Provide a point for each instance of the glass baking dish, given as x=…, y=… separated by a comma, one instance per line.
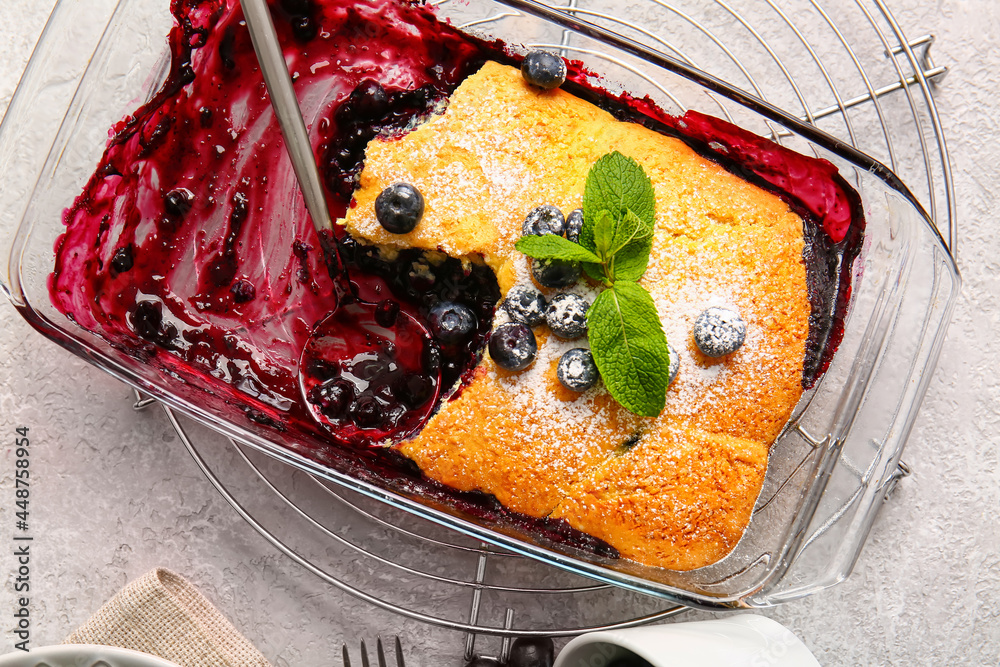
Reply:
x=828, y=472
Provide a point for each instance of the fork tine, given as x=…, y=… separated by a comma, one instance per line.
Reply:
x=379, y=651
x=347, y=657
x=399, y=653
x=364, y=654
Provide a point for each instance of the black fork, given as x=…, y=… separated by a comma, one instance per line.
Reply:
x=379, y=654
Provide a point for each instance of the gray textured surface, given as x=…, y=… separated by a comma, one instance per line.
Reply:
x=114, y=494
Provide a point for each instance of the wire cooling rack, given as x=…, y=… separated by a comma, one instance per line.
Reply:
x=845, y=66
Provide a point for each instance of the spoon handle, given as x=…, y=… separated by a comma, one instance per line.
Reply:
x=293, y=127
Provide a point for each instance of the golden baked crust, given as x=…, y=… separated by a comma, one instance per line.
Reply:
x=682, y=492
x=680, y=500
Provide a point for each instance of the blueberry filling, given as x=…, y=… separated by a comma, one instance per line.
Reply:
x=323, y=369
x=148, y=323
x=368, y=101
x=333, y=397
x=300, y=7
x=370, y=110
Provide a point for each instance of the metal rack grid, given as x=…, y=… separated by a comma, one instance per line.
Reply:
x=872, y=89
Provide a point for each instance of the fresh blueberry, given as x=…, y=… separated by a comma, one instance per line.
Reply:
x=451, y=322
x=525, y=304
x=531, y=652
x=567, y=316
x=719, y=331
x=122, y=260
x=399, y=208
x=513, y=346
x=333, y=397
x=574, y=225
x=543, y=69
x=544, y=219
x=675, y=364
x=577, y=370
x=555, y=272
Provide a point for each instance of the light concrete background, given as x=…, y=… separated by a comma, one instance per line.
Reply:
x=114, y=494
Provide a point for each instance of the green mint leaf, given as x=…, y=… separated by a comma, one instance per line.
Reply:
x=630, y=348
x=630, y=260
x=630, y=228
x=550, y=246
x=616, y=184
x=596, y=271
x=604, y=232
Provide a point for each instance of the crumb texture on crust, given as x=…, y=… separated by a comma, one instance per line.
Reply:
x=674, y=491
x=678, y=499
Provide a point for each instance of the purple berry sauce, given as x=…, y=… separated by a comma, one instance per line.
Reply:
x=190, y=248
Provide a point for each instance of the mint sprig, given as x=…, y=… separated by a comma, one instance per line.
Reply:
x=626, y=336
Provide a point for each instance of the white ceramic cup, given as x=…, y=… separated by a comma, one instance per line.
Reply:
x=743, y=640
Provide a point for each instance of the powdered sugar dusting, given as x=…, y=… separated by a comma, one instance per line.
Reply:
x=696, y=382
x=530, y=392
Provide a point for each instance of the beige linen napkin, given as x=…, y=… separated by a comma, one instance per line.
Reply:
x=163, y=615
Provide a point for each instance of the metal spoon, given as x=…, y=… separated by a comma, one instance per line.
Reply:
x=355, y=333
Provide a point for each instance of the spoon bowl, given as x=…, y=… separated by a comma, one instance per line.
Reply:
x=367, y=379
